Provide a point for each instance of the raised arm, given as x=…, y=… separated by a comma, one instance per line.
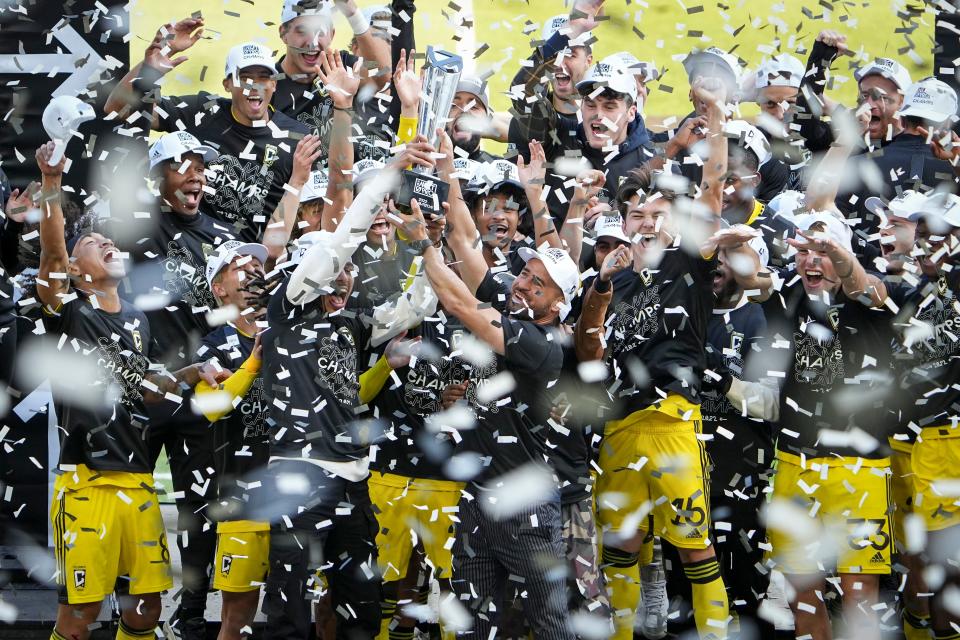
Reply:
x=342, y=83
x=532, y=176
x=54, y=259
x=584, y=199
x=588, y=333
x=462, y=235
x=857, y=284
x=369, y=46
x=159, y=58
x=453, y=293
x=715, y=167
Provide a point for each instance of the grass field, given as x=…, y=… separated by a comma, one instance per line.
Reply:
x=659, y=30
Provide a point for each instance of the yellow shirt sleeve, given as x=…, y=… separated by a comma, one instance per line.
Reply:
x=407, y=130
x=236, y=385
x=373, y=379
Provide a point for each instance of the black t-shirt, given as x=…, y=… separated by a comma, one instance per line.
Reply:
x=741, y=448
x=928, y=340
x=657, y=326
x=310, y=104
x=838, y=369
x=311, y=364
x=517, y=433
x=241, y=441
x=254, y=162
x=411, y=449
x=107, y=430
x=178, y=245
x=380, y=274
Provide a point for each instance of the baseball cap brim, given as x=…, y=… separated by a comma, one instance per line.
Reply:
x=624, y=85
x=927, y=114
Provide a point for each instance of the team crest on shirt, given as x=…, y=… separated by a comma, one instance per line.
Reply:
x=347, y=335
x=270, y=155
x=137, y=339
x=80, y=578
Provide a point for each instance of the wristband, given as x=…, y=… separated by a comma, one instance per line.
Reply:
x=147, y=80
x=344, y=109
x=600, y=286
x=359, y=23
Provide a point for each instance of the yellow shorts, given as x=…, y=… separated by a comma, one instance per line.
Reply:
x=830, y=510
x=413, y=506
x=936, y=468
x=653, y=478
x=103, y=532
x=243, y=556
x=901, y=489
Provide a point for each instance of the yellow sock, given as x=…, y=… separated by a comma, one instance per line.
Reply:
x=56, y=636
x=710, y=606
x=126, y=633
x=645, y=556
x=622, y=573
x=387, y=608
x=916, y=626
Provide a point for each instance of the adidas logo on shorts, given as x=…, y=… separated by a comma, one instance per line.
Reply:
x=877, y=558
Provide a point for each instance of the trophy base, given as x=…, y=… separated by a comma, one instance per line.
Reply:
x=428, y=190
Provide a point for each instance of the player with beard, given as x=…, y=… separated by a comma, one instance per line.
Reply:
x=319, y=448
x=828, y=334
x=497, y=203
x=105, y=512
x=470, y=118
x=306, y=28
x=926, y=326
x=656, y=335
x=520, y=328
x=256, y=162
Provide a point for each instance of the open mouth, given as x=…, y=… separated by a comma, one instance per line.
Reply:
x=337, y=299
x=190, y=197
x=813, y=277
x=499, y=232
x=310, y=57
x=561, y=81
x=647, y=240
x=255, y=101
x=599, y=129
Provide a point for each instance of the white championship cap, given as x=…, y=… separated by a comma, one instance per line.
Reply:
x=780, y=71
x=714, y=62
x=315, y=187
x=645, y=69
x=365, y=169
x=558, y=23
x=608, y=74
x=60, y=119
x=608, y=226
x=930, y=99
x=750, y=137
x=465, y=168
x=173, y=146
x=475, y=86
x=908, y=204
x=560, y=266
x=248, y=54
x=836, y=229
x=229, y=250
x=888, y=68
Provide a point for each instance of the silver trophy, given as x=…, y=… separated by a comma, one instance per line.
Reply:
x=441, y=74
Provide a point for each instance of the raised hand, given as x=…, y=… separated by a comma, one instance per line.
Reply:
x=709, y=91
x=406, y=82
x=418, y=151
x=615, y=262
x=833, y=39
x=453, y=393
x=399, y=351
x=308, y=150
x=171, y=39
x=20, y=203
x=412, y=224
x=44, y=153
x=692, y=131
x=944, y=144
x=533, y=173
x=341, y=82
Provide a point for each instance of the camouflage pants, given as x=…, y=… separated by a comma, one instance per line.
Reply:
x=586, y=588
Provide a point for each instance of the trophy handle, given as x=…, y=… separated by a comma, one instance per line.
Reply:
x=449, y=62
